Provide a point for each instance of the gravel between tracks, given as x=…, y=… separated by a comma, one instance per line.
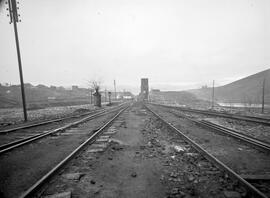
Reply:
x=240, y=157
x=143, y=159
x=249, y=128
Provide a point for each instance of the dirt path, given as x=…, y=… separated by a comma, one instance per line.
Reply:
x=119, y=171
x=127, y=174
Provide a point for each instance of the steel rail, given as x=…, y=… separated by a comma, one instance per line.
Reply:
x=253, y=191
x=5, y=131
x=253, y=141
x=254, y=119
x=233, y=133
x=34, y=188
x=15, y=144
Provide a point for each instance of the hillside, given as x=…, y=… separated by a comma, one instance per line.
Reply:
x=247, y=90
x=41, y=95
x=177, y=98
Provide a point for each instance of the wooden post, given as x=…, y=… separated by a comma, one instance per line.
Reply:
x=213, y=95
x=263, y=88
x=114, y=89
x=14, y=18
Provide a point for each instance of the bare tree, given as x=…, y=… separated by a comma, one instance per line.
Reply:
x=95, y=85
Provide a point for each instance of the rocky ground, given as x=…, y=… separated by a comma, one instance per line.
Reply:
x=240, y=157
x=141, y=158
x=246, y=111
x=14, y=116
x=249, y=128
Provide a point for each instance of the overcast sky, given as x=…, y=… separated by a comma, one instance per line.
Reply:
x=176, y=44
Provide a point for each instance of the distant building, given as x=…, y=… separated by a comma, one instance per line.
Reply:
x=155, y=90
x=40, y=86
x=144, y=95
x=74, y=87
x=61, y=88
x=53, y=87
x=126, y=95
x=51, y=98
x=204, y=87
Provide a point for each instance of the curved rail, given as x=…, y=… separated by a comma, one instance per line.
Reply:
x=15, y=144
x=253, y=191
x=33, y=189
x=255, y=119
x=233, y=133
x=251, y=140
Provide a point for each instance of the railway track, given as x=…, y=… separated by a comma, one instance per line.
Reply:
x=31, y=138
x=236, y=134
x=245, y=180
x=205, y=164
x=90, y=164
x=260, y=120
x=14, y=129
x=81, y=132
x=37, y=185
x=233, y=133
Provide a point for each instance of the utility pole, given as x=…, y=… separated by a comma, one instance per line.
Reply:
x=213, y=95
x=110, y=93
x=263, y=88
x=114, y=89
x=91, y=96
x=105, y=95
x=14, y=18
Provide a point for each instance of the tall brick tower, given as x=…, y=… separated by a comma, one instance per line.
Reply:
x=144, y=89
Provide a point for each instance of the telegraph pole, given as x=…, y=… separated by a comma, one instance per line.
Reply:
x=114, y=89
x=91, y=96
x=110, y=93
x=14, y=18
x=105, y=95
x=263, y=88
x=213, y=94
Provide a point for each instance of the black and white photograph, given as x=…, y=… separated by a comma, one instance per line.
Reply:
x=135, y=99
